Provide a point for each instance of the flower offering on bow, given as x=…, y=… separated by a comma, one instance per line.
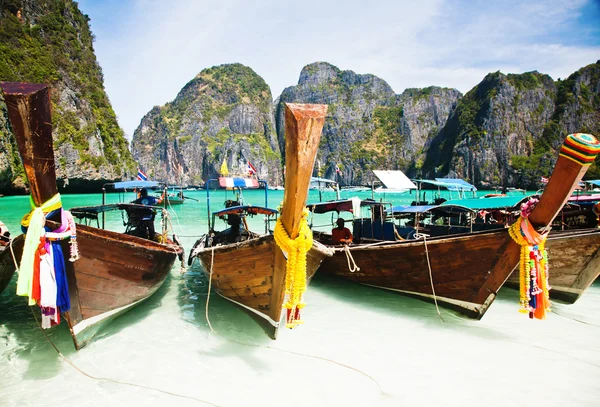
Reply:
x=295, y=270
x=533, y=277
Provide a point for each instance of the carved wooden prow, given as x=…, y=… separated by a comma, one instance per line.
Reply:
x=29, y=114
x=303, y=127
x=577, y=153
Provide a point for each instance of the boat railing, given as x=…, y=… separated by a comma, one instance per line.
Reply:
x=132, y=215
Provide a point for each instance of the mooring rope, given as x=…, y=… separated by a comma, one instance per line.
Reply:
x=349, y=258
x=272, y=347
x=431, y=277
x=13, y=254
x=212, y=259
x=113, y=380
x=176, y=216
x=574, y=319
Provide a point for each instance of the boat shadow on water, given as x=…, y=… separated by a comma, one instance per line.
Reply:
x=228, y=320
x=407, y=308
x=22, y=338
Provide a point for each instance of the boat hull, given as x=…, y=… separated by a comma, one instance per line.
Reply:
x=574, y=260
x=7, y=264
x=115, y=273
x=245, y=274
x=462, y=269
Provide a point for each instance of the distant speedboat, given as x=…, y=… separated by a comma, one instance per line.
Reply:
x=354, y=189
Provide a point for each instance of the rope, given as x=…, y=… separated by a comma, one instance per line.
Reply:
x=431, y=277
x=397, y=235
x=352, y=267
x=113, y=380
x=175, y=247
x=574, y=319
x=212, y=261
x=171, y=207
x=12, y=251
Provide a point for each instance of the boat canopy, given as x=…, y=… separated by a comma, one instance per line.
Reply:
x=346, y=205
x=594, y=182
x=248, y=209
x=231, y=182
x=322, y=180
x=445, y=210
x=395, y=180
x=456, y=184
x=497, y=202
x=575, y=198
x=81, y=211
x=134, y=184
x=87, y=210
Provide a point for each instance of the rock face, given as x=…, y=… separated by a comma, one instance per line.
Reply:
x=368, y=126
x=507, y=129
x=49, y=41
x=223, y=114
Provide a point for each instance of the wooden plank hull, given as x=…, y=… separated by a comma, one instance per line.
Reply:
x=574, y=263
x=7, y=264
x=465, y=271
x=461, y=269
x=115, y=273
x=245, y=274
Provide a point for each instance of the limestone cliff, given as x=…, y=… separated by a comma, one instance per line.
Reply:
x=368, y=126
x=49, y=41
x=507, y=129
x=223, y=114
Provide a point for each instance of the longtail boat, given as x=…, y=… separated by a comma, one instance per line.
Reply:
x=115, y=271
x=252, y=272
x=573, y=244
x=464, y=271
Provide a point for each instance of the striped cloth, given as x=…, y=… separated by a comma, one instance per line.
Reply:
x=230, y=182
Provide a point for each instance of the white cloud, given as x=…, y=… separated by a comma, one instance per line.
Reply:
x=149, y=49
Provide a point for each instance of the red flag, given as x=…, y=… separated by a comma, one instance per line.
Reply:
x=251, y=169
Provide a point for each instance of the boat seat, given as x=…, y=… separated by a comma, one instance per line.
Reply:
x=137, y=218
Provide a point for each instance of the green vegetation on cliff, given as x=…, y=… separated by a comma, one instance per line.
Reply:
x=56, y=47
x=217, y=90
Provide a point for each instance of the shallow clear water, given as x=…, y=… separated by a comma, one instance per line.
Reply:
x=359, y=346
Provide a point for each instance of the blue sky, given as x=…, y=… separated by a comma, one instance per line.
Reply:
x=149, y=49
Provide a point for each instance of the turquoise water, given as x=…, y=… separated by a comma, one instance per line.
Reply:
x=359, y=346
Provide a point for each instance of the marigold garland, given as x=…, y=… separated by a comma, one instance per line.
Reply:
x=533, y=277
x=295, y=270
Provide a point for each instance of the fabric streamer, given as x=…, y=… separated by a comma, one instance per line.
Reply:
x=42, y=275
x=34, y=221
x=63, y=302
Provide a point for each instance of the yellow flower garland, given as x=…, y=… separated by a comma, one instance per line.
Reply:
x=295, y=270
x=527, y=264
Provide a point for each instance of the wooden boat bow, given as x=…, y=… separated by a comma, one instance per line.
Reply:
x=303, y=127
x=577, y=153
x=34, y=135
x=115, y=271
